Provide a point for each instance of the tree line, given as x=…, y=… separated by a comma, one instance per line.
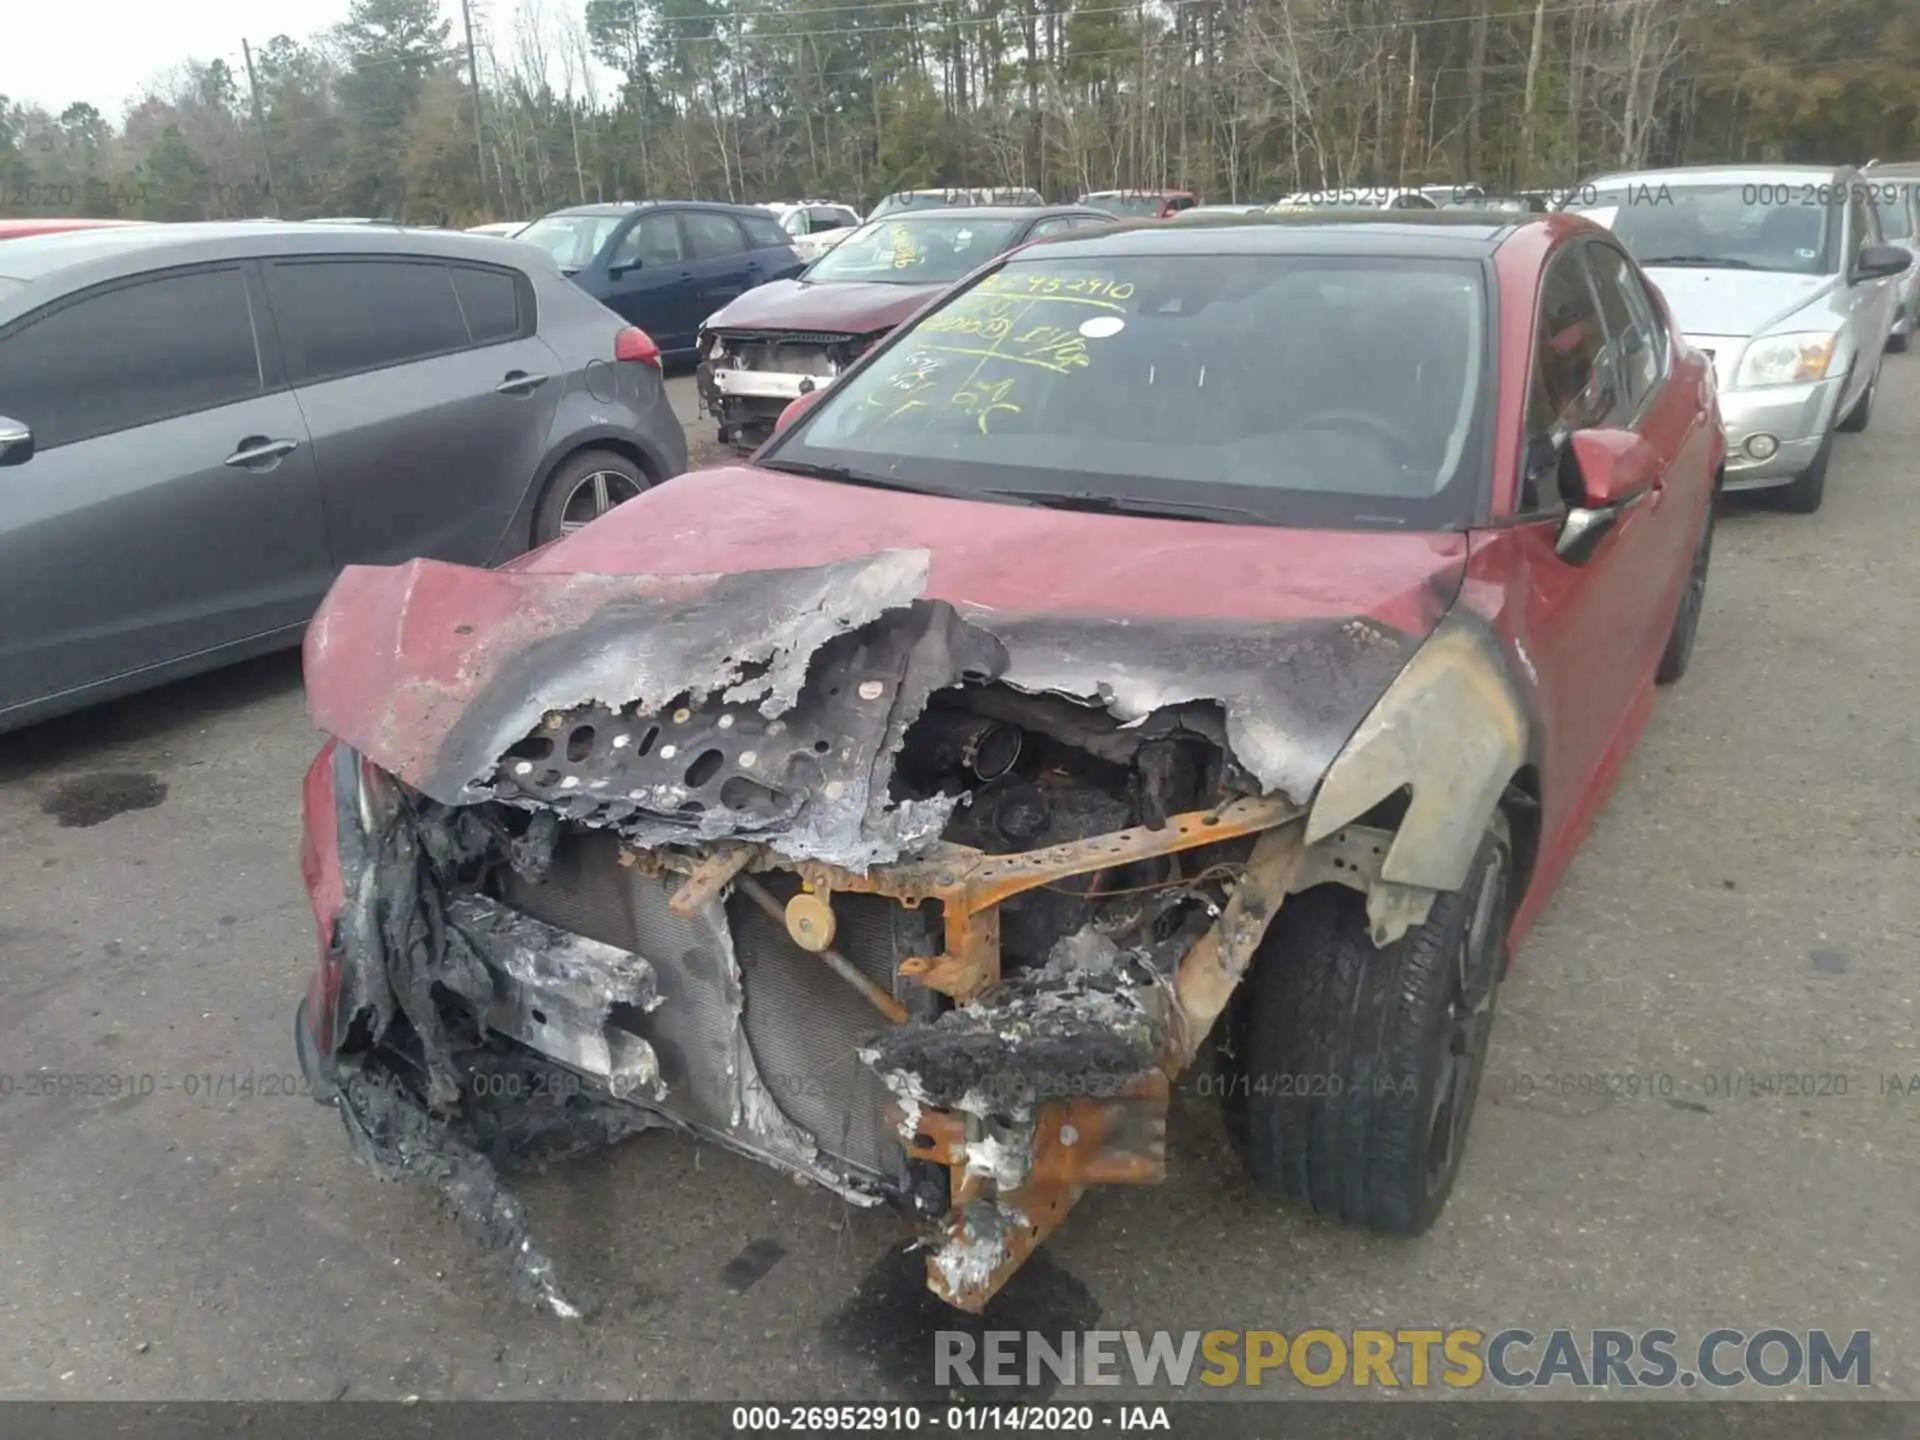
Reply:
x=752, y=100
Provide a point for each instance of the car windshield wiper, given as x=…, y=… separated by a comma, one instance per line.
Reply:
x=845, y=475
x=1098, y=503
x=1718, y=262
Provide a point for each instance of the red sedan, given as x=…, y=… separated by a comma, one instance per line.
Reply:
x=1178, y=646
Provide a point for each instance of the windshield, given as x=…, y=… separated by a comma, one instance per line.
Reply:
x=1896, y=216
x=1123, y=205
x=895, y=204
x=928, y=249
x=572, y=240
x=1305, y=389
x=1752, y=226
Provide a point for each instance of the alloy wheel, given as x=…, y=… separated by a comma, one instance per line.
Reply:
x=594, y=495
x=1467, y=1025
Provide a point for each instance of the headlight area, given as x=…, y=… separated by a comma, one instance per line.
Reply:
x=1791, y=359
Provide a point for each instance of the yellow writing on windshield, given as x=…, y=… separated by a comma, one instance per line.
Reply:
x=1033, y=282
x=969, y=360
x=905, y=253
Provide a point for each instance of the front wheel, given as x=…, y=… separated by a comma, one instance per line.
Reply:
x=1686, y=618
x=1362, y=1065
x=1862, y=412
x=1807, y=489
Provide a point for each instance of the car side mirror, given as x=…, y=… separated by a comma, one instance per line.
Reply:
x=16, y=442
x=1615, y=468
x=621, y=267
x=795, y=409
x=1879, y=261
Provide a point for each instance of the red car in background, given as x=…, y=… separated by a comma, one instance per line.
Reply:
x=1142, y=204
x=20, y=229
x=1179, y=645
x=788, y=338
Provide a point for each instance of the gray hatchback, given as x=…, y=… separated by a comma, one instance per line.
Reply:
x=200, y=425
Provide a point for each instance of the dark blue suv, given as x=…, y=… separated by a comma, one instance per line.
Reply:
x=666, y=265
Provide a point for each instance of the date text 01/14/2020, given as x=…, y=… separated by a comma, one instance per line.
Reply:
x=893, y=1419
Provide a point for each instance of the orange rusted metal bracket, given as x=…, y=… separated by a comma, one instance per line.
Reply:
x=712, y=875
x=1218, y=961
x=1089, y=1140
x=970, y=884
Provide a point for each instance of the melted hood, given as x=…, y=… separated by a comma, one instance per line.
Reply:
x=751, y=588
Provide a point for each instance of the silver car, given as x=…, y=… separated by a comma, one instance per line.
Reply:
x=1779, y=274
x=200, y=425
x=1896, y=195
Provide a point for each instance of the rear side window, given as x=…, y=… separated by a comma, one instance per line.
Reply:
x=130, y=355
x=765, y=233
x=711, y=236
x=343, y=317
x=654, y=240
x=490, y=300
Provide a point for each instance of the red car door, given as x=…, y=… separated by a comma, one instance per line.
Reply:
x=1583, y=629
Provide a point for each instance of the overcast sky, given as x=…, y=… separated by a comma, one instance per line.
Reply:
x=106, y=51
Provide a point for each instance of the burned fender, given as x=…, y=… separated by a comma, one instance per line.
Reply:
x=1452, y=728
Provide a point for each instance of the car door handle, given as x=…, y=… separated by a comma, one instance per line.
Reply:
x=258, y=450
x=519, y=382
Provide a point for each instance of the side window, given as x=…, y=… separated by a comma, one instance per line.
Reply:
x=1631, y=326
x=490, y=299
x=344, y=317
x=765, y=232
x=711, y=236
x=822, y=218
x=1059, y=225
x=1564, y=394
x=131, y=355
x=1182, y=202
x=653, y=240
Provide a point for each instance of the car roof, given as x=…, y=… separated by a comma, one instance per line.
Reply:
x=1450, y=234
x=1715, y=174
x=1895, y=169
x=133, y=248
x=627, y=207
x=988, y=212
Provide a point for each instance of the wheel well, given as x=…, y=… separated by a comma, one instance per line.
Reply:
x=625, y=449
x=1520, y=803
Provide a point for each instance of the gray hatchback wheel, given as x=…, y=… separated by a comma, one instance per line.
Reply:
x=585, y=488
x=593, y=496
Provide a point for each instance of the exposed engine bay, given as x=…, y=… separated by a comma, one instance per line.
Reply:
x=876, y=892
x=747, y=377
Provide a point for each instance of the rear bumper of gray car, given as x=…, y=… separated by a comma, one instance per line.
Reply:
x=1773, y=434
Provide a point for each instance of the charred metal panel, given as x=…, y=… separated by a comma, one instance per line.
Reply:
x=1453, y=729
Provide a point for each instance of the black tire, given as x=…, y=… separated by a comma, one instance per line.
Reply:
x=1686, y=617
x=1856, y=419
x=1809, y=487
x=1362, y=1064
x=585, y=487
x=1897, y=344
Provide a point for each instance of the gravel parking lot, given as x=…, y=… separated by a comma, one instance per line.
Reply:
x=1746, y=906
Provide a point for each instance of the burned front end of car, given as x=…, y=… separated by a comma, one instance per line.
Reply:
x=922, y=904
x=747, y=377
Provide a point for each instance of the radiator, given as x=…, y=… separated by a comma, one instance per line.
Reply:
x=803, y=1023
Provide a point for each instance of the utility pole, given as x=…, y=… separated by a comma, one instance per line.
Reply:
x=473, y=76
x=260, y=122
